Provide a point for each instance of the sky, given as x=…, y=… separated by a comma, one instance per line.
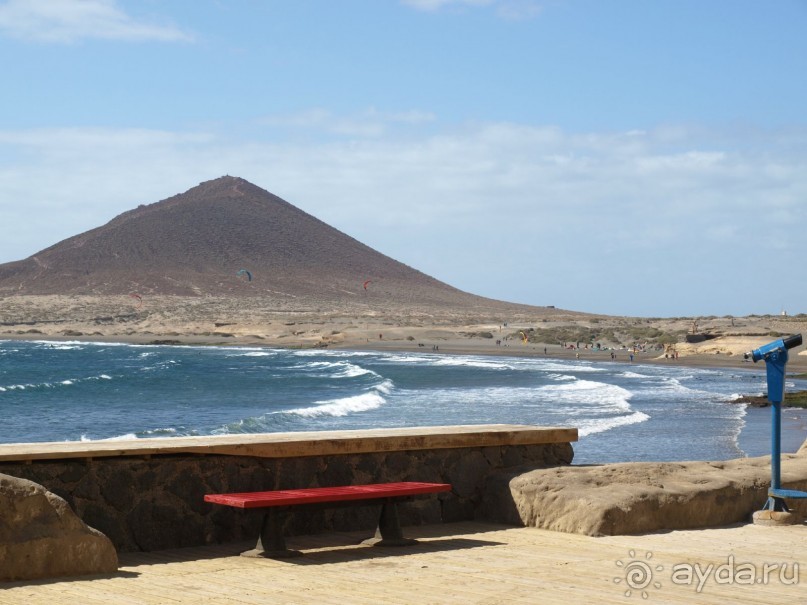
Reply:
x=626, y=157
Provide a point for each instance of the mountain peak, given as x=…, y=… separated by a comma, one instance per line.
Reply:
x=196, y=243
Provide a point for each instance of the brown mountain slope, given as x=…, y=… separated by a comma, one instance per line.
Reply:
x=196, y=242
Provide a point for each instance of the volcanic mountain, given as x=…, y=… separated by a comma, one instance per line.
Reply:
x=196, y=243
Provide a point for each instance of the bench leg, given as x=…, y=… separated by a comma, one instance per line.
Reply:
x=389, y=531
x=271, y=543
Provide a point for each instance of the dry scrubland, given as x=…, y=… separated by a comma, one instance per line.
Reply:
x=376, y=323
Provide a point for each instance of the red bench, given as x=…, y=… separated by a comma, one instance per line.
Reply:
x=276, y=504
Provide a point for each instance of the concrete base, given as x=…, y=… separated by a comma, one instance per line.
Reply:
x=775, y=518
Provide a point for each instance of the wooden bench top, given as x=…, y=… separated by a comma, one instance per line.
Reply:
x=312, y=495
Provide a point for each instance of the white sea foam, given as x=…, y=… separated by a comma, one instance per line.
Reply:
x=553, y=376
x=342, y=369
x=666, y=387
x=352, y=371
x=599, y=425
x=738, y=429
x=53, y=385
x=552, y=366
x=319, y=364
x=674, y=384
x=82, y=343
x=385, y=387
x=589, y=396
x=149, y=434
x=125, y=437
x=328, y=353
x=403, y=358
x=166, y=432
x=162, y=365
x=470, y=362
x=629, y=374
x=342, y=407
x=308, y=353
x=256, y=424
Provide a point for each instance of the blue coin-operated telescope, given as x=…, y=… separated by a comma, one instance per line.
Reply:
x=774, y=354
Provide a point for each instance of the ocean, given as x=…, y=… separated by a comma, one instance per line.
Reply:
x=80, y=391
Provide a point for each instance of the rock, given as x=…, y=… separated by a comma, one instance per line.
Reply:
x=41, y=537
x=775, y=518
x=639, y=497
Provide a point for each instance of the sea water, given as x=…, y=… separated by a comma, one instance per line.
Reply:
x=72, y=391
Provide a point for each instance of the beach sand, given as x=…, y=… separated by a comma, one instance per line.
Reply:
x=384, y=326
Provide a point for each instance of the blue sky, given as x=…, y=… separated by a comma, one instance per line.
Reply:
x=626, y=157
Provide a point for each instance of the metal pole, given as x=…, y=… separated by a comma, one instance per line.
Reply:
x=775, y=363
x=776, y=445
x=775, y=356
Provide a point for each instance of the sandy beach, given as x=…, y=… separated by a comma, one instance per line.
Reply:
x=381, y=325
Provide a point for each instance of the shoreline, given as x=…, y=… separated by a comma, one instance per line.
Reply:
x=797, y=364
x=754, y=434
x=384, y=324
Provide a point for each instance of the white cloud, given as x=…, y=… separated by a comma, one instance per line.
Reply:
x=435, y=5
x=65, y=21
x=550, y=178
x=513, y=10
x=503, y=209
x=369, y=123
x=519, y=10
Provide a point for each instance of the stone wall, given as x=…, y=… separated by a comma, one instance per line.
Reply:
x=156, y=502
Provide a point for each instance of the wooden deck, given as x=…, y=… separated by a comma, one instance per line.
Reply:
x=464, y=563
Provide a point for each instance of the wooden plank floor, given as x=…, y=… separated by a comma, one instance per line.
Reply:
x=463, y=563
